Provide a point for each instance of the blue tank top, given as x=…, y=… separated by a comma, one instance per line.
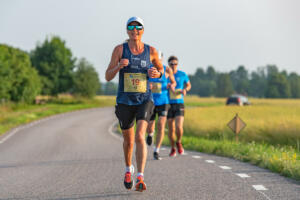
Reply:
x=134, y=86
x=159, y=89
x=181, y=79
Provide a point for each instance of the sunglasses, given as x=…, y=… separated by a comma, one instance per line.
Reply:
x=172, y=64
x=137, y=27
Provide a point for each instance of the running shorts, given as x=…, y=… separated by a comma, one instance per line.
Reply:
x=176, y=110
x=161, y=111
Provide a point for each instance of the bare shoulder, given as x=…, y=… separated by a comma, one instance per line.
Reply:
x=152, y=50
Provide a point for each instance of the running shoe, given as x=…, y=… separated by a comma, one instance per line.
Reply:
x=149, y=140
x=173, y=152
x=128, y=180
x=156, y=156
x=180, y=149
x=140, y=185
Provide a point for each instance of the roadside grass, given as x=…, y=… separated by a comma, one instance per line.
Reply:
x=270, y=140
x=12, y=115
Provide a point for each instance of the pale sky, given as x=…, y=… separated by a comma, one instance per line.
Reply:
x=221, y=33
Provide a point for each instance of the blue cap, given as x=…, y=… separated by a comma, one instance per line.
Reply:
x=135, y=19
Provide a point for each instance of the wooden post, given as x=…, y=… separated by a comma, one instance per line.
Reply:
x=237, y=127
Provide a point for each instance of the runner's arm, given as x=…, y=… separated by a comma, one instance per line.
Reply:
x=169, y=73
x=156, y=63
x=187, y=88
x=116, y=63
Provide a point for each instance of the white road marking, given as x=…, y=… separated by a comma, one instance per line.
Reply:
x=184, y=154
x=243, y=175
x=210, y=161
x=163, y=149
x=9, y=135
x=259, y=187
x=197, y=157
x=225, y=167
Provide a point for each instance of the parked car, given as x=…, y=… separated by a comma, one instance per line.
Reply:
x=237, y=100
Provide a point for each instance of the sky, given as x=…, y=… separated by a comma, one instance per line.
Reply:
x=221, y=33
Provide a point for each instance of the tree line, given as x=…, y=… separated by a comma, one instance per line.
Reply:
x=265, y=82
x=49, y=69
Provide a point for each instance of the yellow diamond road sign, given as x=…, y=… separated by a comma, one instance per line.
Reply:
x=236, y=124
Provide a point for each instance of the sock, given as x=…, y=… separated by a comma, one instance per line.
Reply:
x=129, y=169
x=156, y=150
x=140, y=174
x=151, y=134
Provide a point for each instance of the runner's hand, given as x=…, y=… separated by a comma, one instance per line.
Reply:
x=183, y=92
x=153, y=72
x=123, y=63
x=171, y=87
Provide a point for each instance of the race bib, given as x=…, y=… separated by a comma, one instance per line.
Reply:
x=156, y=87
x=177, y=94
x=135, y=82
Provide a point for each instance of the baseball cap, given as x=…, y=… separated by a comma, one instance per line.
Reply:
x=135, y=19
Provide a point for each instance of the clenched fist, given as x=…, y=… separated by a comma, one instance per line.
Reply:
x=123, y=63
x=153, y=73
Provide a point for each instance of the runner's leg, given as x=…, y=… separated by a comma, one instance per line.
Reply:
x=161, y=130
x=128, y=144
x=179, y=127
x=171, y=134
x=141, y=148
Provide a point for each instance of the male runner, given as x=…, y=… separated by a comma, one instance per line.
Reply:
x=160, y=87
x=176, y=112
x=132, y=60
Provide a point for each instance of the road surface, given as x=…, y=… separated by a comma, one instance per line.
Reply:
x=77, y=156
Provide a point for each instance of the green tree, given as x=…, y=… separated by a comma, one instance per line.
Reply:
x=224, y=85
x=55, y=64
x=19, y=81
x=258, y=83
x=86, y=79
x=240, y=80
x=294, y=81
x=110, y=88
x=278, y=86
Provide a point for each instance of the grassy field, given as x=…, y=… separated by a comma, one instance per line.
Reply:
x=271, y=138
x=12, y=115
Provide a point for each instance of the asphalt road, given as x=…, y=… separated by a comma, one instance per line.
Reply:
x=77, y=156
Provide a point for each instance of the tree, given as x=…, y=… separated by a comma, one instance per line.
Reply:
x=240, y=80
x=278, y=86
x=294, y=81
x=55, y=64
x=110, y=88
x=19, y=81
x=258, y=83
x=86, y=79
x=224, y=85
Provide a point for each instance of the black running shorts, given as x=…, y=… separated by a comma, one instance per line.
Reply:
x=176, y=110
x=127, y=113
x=161, y=111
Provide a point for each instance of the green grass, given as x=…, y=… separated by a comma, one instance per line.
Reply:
x=12, y=115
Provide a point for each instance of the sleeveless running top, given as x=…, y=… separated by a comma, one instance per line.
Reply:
x=159, y=89
x=133, y=79
x=181, y=79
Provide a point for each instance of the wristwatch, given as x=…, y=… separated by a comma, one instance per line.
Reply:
x=160, y=74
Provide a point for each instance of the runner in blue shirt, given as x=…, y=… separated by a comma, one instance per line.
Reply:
x=134, y=100
x=176, y=112
x=160, y=92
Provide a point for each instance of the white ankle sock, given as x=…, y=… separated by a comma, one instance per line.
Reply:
x=151, y=134
x=156, y=150
x=129, y=169
x=140, y=174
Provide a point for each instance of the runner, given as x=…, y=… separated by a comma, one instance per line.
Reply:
x=176, y=112
x=161, y=101
x=134, y=100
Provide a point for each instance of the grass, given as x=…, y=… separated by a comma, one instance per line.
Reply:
x=270, y=140
x=12, y=115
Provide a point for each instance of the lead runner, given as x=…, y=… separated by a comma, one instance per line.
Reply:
x=132, y=60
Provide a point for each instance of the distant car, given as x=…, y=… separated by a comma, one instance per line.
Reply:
x=237, y=100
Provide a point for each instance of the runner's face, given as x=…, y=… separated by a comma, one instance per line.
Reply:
x=135, y=34
x=173, y=64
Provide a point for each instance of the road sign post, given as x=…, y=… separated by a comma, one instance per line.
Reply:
x=236, y=125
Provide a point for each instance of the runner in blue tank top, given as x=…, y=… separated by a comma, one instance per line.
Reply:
x=176, y=112
x=134, y=100
x=160, y=91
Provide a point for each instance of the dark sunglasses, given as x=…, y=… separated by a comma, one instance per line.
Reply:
x=137, y=27
x=172, y=64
